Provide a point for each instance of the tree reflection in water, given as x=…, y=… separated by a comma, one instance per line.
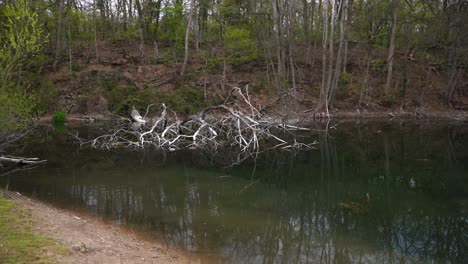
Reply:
x=371, y=193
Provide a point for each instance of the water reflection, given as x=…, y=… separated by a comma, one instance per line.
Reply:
x=371, y=193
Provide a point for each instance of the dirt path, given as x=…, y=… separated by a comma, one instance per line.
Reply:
x=92, y=241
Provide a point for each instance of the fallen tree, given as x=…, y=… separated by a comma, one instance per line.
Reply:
x=20, y=160
x=236, y=123
x=17, y=163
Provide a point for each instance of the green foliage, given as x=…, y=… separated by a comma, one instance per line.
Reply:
x=214, y=63
x=60, y=116
x=372, y=23
x=231, y=12
x=261, y=82
x=60, y=127
x=173, y=27
x=21, y=40
x=76, y=67
x=77, y=22
x=45, y=95
x=16, y=108
x=378, y=66
x=132, y=32
x=121, y=99
x=345, y=78
x=23, y=34
x=240, y=48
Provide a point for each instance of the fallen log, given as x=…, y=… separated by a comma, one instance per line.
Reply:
x=21, y=160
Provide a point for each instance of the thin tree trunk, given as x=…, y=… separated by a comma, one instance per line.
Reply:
x=348, y=14
x=142, y=28
x=331, y=52
x=365, y=82
x=305, y=26
x=187, y=35
x=95, y=32
x=290, y=39
x=157, y=18
x=391, y=50
x=291, y=65
x=70, y=54
x=58, y=46
x=125, y=17
x=278, y=25
x=339, y=55
x=322, y=106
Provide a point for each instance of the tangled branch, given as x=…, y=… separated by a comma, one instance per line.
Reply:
x=232, y=124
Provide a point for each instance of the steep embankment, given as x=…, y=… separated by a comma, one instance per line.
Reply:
x=118, y=79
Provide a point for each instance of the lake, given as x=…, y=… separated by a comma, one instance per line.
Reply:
x=371, y=192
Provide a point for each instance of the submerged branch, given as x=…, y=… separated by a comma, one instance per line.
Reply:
x=21, y=160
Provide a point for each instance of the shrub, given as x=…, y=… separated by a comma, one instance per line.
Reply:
x=16, y=109
x=240, y=48
x=59, y=116
x=21, y=39
x=45, y=96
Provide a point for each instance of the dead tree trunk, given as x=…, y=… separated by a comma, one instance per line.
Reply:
x=20, y=160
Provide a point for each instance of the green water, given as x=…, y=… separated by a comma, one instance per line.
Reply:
x=370, y=193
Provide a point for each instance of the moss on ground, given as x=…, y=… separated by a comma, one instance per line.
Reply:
x=18, y=244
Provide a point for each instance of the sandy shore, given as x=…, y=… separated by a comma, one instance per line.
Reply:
x=90, y=240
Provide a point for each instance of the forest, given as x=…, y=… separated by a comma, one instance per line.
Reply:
x=303, y=57
x=233, y=131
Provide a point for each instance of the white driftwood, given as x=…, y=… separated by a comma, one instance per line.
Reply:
x=228, y=125
x=21, y=160
x=136, y=116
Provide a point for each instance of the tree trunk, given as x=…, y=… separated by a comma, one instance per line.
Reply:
x=279, y=36
x=331, y=53
x=391, y=50
x=187, y=35
x=322, y=106
x=305, y=25
x=348, y=18
x=339, y=56
x=157, y=17
x=58, y=46
x=142, y=29
x=95, y=32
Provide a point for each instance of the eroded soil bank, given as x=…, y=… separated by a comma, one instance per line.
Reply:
x=90, y=240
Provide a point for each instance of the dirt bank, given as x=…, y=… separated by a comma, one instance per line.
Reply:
x=92, y=241
x=89, y=89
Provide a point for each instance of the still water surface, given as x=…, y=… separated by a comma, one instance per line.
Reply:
x=370, y=193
